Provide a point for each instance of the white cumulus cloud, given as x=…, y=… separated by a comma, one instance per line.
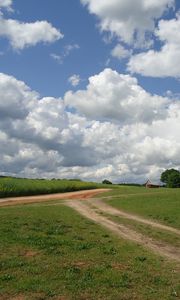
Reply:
x=113, y=96
x=126, y=19
x=23, y=35
x=166, y=61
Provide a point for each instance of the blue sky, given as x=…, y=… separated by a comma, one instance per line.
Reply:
x=35, y=66
x=78, y=28
x=116, y=67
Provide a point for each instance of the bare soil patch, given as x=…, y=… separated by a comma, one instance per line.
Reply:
x=30, y=254
x=17, y=297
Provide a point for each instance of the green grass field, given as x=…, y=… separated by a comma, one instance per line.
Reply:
x=162, y=205
x=24, y=187
x=51, y=252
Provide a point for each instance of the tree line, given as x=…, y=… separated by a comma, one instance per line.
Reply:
x=171, y=179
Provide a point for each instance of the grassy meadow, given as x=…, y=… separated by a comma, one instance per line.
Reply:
x=10, y=186
x=51, y=252
x=162, y=205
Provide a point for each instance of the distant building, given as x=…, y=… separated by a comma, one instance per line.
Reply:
x=151, y=185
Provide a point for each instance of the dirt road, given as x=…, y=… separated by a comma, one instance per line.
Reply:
x=42, y=198
x=93, y=210
x=121, y=230
x=98, y=203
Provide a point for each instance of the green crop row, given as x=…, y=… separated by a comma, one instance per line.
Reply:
x=23, y=187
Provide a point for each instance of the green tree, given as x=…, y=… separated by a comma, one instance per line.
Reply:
x=174, y=180
x=105, y=181
x=171, y=178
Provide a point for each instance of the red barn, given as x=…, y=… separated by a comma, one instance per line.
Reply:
x=150, y=185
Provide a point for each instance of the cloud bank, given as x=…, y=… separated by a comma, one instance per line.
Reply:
x=113, y=129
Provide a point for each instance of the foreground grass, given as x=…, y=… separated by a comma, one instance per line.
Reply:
x=50, y=251
x=24, y=187
x=162, y=205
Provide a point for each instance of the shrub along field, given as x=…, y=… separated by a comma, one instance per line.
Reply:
x=10, y=187
x=51, y=252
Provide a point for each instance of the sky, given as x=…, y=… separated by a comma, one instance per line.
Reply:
x=89, y=89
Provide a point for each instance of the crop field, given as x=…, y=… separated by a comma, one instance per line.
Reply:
x=24, y=187
x=55, y=250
